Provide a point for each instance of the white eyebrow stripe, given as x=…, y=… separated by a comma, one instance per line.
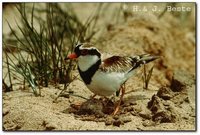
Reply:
x=89, y=48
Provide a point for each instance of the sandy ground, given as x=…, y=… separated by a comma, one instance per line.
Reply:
x=168, y=104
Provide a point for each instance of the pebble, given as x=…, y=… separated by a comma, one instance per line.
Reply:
x=117, y=123
x=145, y=115
x=109, y=121
x=116, y=117
x=148, y=123
x=133, y=113
x=128, y=109
x=5, y=111
x=126, y=119
x=133, y=103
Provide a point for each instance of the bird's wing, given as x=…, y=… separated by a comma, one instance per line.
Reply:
x=125, y=64
x=117, y=64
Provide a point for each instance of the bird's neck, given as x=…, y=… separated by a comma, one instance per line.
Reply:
x=86, y=62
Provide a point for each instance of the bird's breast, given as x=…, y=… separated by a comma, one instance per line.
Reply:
x=106, y=84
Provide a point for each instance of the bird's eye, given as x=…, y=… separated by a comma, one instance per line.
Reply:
x=84, y=52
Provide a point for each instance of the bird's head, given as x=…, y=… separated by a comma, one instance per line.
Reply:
x=86, y=54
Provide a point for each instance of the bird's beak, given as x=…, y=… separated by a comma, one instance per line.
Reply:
x=71, y=56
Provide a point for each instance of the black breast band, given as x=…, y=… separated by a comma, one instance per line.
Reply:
x=88, y=74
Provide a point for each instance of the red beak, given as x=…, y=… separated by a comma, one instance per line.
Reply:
x=72, y=56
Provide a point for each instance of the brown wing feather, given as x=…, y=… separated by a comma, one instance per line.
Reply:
x=116, y=64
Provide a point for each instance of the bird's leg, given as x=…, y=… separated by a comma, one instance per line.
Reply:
x=121, y=98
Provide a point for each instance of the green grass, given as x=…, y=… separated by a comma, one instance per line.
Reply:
x=39, y=60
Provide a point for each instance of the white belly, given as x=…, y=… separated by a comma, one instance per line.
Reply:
x=106, y=84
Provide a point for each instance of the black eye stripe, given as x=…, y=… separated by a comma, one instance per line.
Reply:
x=84, y=52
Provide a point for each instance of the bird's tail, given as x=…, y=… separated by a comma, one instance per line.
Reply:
x=139, y=60
x=146, y=58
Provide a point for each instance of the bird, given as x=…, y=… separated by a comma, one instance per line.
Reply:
x=105, y=77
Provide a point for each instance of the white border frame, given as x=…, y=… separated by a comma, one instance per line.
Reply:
x=121, y=133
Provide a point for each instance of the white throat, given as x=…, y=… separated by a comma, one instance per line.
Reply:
x=85, y=62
